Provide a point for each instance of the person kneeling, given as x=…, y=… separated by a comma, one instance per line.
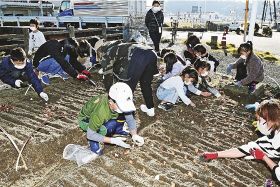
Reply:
x=169, y=91
x=104, y=116
x=249, y=67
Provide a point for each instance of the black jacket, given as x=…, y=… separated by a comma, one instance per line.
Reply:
x=58, y=51
x=154, y=20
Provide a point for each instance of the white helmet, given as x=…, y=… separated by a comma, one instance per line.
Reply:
x=122, y=94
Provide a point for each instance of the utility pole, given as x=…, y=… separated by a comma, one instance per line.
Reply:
x=246, y=20
x=253, y=21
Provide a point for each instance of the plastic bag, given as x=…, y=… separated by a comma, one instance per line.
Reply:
x=78, y=153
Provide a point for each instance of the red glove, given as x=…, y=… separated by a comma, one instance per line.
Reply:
x=82, y=77
x=257, y=154
x=86, y=72
x=208, y=156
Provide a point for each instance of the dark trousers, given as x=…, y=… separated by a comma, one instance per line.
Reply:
x=53, y=49
x=241, y=72
x=142, y=68
x=155, y=36
x=112, y=127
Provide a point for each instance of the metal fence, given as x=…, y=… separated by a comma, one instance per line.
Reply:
x=11, y=37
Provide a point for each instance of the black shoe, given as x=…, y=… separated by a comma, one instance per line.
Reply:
x=165, y=106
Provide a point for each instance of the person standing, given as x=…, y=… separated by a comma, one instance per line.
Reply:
x=36, y=37
x=154, y=21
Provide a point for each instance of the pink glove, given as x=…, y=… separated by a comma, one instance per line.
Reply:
x=257, y=154
x=86, y=72
x=82, y=77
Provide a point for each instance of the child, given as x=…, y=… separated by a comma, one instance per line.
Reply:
x=104, y=116
x=202, y=69
x=202, y=54
x=15, y=70
x=188, y=53
x=169, y=91
x=36, y=37
x=249, y=67
x=58, y=57
x=173, y=65
x=264, y=148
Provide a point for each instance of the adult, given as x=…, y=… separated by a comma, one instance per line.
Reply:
x=154, y=22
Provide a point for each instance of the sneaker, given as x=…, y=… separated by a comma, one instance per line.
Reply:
x=45, y=80
x=179, y=100
x=208, y=156
x=165, y=106
x=150, y=112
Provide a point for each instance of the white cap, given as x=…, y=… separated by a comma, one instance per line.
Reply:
x=122, y=94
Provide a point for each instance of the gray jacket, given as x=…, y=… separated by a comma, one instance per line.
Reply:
x=254, y=67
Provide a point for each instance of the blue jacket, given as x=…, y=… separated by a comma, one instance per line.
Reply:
x=7, y=70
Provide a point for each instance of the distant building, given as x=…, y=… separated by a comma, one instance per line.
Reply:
x=194, y=9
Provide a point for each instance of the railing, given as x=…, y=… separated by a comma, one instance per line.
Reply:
x=19, y=36
x=65, y=19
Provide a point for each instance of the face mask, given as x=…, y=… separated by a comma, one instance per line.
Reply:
x=187, y=82
x=33, y=28
x=243, y=57
x=19, y=66
x=83, y=60
x=204, y=74
x=156, y=9
x=262, y=126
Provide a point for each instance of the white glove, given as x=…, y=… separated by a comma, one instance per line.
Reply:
x=18, y=83
x=120, y=142
x=29, y=53
x=44, y=96
x=138, y=140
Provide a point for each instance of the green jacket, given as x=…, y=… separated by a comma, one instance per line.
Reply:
x=97, y=111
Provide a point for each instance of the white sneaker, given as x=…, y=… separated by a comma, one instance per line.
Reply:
x=150, y=112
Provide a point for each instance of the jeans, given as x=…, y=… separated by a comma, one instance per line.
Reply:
x=168, y=95
x=50, y=66
x=108, y=129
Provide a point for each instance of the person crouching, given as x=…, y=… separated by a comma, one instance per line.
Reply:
x=17, y=71
x=104, y=116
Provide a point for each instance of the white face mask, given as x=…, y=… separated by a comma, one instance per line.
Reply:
x=83, y=60
x=204, y=74
x=262, y=126
x=19, y=66
x=156, y=9
x=33, y=28
x=187, y=82
x=243, y=57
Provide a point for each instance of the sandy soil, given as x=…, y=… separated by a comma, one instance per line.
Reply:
x=169, y=157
